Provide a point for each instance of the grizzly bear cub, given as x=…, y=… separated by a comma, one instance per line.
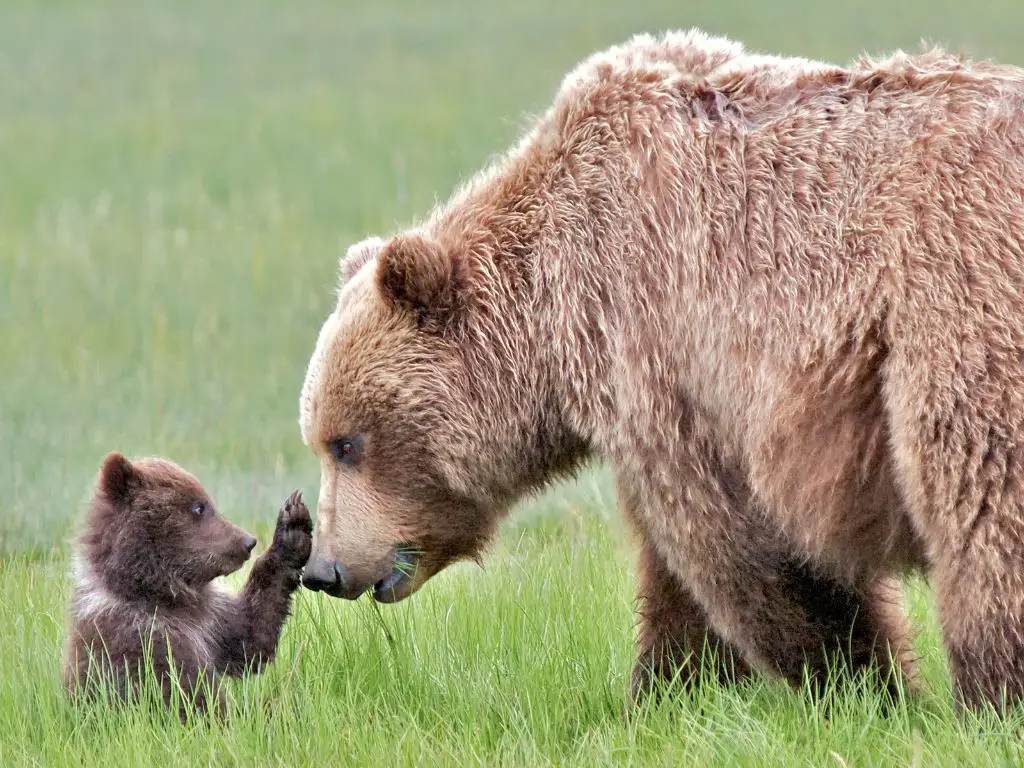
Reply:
x=153, y=544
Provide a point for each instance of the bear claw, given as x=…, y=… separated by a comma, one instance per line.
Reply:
x=295, y=514
x=293, y=536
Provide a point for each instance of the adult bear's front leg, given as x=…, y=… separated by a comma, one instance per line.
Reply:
x=675, y=641
x=762, y=599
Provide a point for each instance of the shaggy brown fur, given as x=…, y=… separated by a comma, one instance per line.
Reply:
x=783, y=299
x=153, y=544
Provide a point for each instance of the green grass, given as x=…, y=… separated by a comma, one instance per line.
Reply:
x=177, y=181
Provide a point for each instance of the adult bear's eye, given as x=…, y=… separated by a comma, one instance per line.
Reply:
x=198, y=508
x=347, y=450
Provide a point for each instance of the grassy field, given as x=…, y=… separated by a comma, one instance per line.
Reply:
x=177, y=181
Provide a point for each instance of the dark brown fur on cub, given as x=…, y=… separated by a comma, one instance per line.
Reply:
x=152, y=546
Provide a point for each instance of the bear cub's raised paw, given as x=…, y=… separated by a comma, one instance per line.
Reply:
x=293, y=537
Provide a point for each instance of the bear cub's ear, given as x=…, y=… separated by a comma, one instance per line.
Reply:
x=118, y=478
x=419, y=276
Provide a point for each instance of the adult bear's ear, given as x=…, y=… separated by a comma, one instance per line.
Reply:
x=356, y=256
x=118, y=478
x=419, y=276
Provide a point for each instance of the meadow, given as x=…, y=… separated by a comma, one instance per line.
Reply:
x=177, y=181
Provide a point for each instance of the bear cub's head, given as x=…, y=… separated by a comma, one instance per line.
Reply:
x=154, y=534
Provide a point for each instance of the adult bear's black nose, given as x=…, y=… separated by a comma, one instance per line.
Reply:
x=329, y=576
x=321, y=574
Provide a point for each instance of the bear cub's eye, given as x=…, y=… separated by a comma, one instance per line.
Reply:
x=347, y=450
x=198, y=508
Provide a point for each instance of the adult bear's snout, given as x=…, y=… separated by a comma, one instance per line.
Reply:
x=331, y=577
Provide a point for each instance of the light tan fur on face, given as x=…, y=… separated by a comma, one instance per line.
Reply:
x=349, y=498
x=783, y=298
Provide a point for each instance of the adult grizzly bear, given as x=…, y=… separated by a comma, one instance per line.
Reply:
x=783, y=299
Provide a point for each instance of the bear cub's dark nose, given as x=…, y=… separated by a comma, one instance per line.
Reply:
x=249, y=542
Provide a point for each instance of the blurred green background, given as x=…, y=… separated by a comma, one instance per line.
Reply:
x=177, y=181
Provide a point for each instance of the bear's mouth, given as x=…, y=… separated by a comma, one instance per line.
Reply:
x=232, y=562
x=398, y=583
